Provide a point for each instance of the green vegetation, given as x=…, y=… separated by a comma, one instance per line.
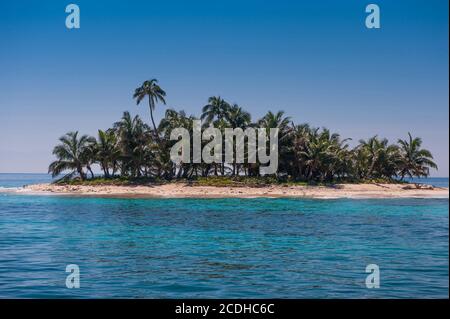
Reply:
x=132, y=152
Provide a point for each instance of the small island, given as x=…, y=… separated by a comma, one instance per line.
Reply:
x=312, y=162
x=182, y=189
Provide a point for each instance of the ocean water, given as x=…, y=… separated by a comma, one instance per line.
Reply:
x=220, y=248
x=435, y=181
x=9, y=181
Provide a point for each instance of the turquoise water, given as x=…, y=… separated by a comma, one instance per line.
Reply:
x=221, y=248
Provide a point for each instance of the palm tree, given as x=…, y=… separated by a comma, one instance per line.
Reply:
x=300, y=139
x=133, y=142
x=305, y=153
x=276, y=120
x=336, y=155
x=380, y=158
x=174, y=119
x=236, y=117
x=316, y=154
x=155, y=94
x=72, y=154
x=282, y=123
x=171, y=121
x=215, y=109
x=107, y=152
x=414, y=160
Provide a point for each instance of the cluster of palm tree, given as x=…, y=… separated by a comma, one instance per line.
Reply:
x=133, y=149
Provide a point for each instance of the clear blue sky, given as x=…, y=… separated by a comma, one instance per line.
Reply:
x=313, y=59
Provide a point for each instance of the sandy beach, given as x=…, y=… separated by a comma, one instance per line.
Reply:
x=182, y=190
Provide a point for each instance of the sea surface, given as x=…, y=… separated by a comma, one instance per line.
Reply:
x=220, y=248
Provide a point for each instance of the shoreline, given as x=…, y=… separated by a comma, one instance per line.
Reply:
x=184, y=190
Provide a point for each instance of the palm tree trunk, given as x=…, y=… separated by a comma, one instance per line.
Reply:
x=80, y=172
x=105, y=170
x=150, y=105
x=90, y=171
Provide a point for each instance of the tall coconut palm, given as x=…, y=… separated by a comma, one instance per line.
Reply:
x=215, y=109
x=380, y=157
x=316, y=154
x=174, y=119
x=299, y=139
x=155, y=94
x=107, y=152
x=171, y=121
x=237, y=117
x=414, y=160
x=276, y=120
x=72, y=155
x=133, y=139
x=282, y=123
x=215, y=113
x=337, y=154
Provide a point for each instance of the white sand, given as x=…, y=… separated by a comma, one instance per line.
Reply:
x=181, y=190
